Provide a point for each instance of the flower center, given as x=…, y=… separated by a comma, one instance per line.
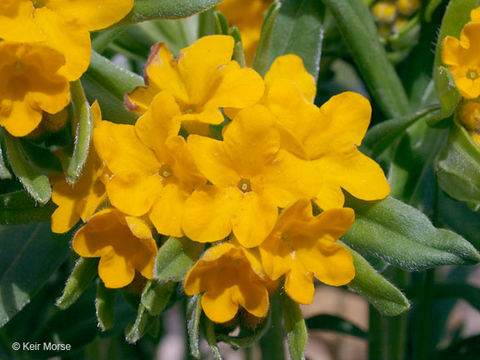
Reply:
x=18, y=67
x=472, y=74
x=166, y=171
x=37, y=4
x=244, y=185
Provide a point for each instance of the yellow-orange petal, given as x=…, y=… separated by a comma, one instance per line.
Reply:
x=299, y=286
x=167, y=211
x=115, y=271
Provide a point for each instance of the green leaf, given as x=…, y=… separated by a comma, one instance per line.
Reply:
x=113, y=78
x=358, y=30
x=82, y=122
x=335, y=323
x=19, y=208
x=463, y=349
x=405, y=237
x=221, y=23
x=4, y=173
x=447, y=93
x=264, y=47
x=41, y=158
x=102, y=39
x=36, y=184
x=105, y=306
x=295, y=325
x=143, y=323
x=29, y=255
x=144, y=10
x=458, y=167
x=194, y=312
x=112, y=107
x=379, y=292
x=238, y=54
x=175, y=257
x=83, y=273
x=211, y=338
x=155, y=296
x=298, y=30
x=381, y=136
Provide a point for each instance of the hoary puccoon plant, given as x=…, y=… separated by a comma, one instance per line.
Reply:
x=229, y=159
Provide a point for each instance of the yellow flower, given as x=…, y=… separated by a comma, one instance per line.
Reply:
x=248, y=16
x=30, y=84
x=153, y=170
x=463, y=61
x=123, y=243
x=251, y=178
x=202, y=80
x=328, y=137
x=475, y=15
x=228, y=278
x=82, y=199
x=61, y=24
x=408, y=7
x=469, y=116
x=302, y=246
x=384, y=12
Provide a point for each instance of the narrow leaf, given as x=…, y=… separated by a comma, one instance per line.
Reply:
x=4, y=173
x=113, y=78
x=355, y=22
x=405, y=237
x=447, y=92
x=298, y=30
x=211, y=338
x=19, y=208
x=144, y=10
x=381, y=136
x=83, y=273
x=458, y=167
x=264, y=47
x=41, y=158
x=140, y=327
x=295, y=325
x=175, y=258
x=82, y=124
x=379, y=292
x=335, y=323
x=105, y=307
x=155, y=296
x=194, y=312
x=36, y=184
x=27, y=249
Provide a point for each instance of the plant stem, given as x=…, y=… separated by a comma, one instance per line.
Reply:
x=425, y=317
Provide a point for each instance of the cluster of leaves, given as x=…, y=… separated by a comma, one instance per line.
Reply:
x=424, y=152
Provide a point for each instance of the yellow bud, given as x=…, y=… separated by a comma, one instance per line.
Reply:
x=384, y=12
x=400, y=23
x=408, y=7
x=469, y=116
x=475, y=137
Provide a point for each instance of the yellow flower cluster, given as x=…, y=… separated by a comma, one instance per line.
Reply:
x=462, y=58
x=44, y=45
x=393, y=16
x=248, y=191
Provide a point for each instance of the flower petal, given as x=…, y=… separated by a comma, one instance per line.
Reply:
x=290, y=67
x=115, y=271
x=251, y=140
x=167, y=211
x=212, y=161
x=208, y=213
x=134, y=193
x=299, y=286
x=91, y=14
x=219, y=305
x=254, y=219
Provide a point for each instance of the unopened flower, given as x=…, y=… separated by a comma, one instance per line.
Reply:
x=469, y=117
x=79, y=201
x=384, y=12
x=408, y=7
x=123, y=243
x=30, y=84
x=202, y=80
x=61, y=24
x=251, y=178
x=302, y=246
x=228, y=279
x=152, y=169
x=248, y=16
x=463, y=61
